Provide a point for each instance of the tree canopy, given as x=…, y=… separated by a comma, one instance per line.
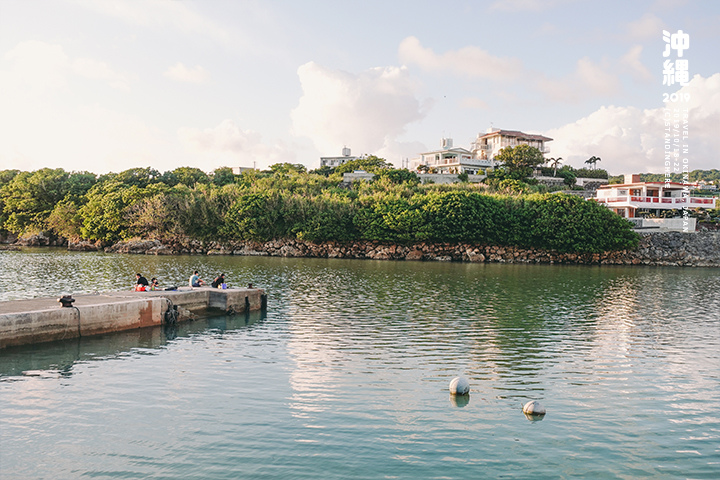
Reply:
x=518, y=162
x=288, y=202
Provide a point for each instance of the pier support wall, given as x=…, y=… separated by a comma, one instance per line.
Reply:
x=39, y=320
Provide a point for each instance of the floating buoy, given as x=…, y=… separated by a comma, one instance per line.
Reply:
x=459, y=386
x=534, y=408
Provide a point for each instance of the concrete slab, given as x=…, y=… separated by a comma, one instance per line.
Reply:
x=44, y=319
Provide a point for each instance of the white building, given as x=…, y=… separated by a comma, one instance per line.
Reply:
x=449, y=159
x=337, y=161
x=241, y=170
x=483, y=150
x=627, y=198
x=486, y=146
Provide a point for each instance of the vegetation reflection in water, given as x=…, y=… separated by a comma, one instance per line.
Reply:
x=347, y=375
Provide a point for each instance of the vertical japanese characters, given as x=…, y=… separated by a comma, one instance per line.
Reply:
x=676, y=71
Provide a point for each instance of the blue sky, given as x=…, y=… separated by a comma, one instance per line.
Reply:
x=109, y=85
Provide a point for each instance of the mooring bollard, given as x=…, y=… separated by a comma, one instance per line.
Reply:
x=66, y=301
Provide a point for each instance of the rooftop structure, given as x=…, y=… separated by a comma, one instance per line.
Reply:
x=337, y=161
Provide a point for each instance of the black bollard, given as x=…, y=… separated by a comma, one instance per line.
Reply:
x=66, y=300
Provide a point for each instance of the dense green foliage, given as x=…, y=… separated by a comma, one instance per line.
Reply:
x=576, y=172
x=288, y=202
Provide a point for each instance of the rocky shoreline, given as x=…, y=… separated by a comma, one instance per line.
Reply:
x=701, y=249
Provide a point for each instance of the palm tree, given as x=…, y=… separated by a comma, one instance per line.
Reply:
x=554, y=162
x=593, y=161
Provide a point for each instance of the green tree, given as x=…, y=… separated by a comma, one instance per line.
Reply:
x=398, y=176
x=190, y=176
x=325, y=171
x=458, y=216
x=287, y=168
x=390, y=219
x=370, y=164
x=593, y=161
x=139, y=177
x=29, y=198
x=255, y=216
x=107, y=215
x=554, y=162
x=222, y=176
x=568, y=223
x=519, y=162
x=65, y=219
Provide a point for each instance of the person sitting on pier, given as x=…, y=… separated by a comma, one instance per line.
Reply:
x=195, y=280
x=219, y=281
x=154, y=285
x=141, y=284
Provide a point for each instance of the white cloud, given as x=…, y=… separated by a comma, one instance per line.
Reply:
x=229, y=145
x=468, y=61
x=88, y=137
x=597, y=78
x=631, y=62
x=588, y=80
x=35, y=67
x=365, y=111
x=158, y=14
x=39, y=128
x=516, y=6
x=648, y=27
x=181, y=73
x=630, y=140
x=38, y=67
x=474, y=103
x=95, y=70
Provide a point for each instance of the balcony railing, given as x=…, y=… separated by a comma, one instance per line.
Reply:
x=454, y=161
x=660, y=202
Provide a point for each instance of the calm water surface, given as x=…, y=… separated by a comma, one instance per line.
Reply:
x=346, y=375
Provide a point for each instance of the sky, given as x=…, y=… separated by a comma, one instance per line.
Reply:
x=108, y=85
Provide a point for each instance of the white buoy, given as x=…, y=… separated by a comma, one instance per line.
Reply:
x=533, y=407
x=459, y=386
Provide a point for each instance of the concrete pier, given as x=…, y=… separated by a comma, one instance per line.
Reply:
x=39, y=320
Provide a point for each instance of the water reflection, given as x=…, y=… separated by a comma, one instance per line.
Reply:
x=459, y=400
x=60, y=358
x=357, y=355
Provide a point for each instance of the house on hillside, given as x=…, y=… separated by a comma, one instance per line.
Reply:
x=634, y=198
x=337, y=161
x=487, y=145
x=482, y=152
x=449, y=159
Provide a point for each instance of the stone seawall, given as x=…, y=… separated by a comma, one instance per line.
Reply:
x=667, y=248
